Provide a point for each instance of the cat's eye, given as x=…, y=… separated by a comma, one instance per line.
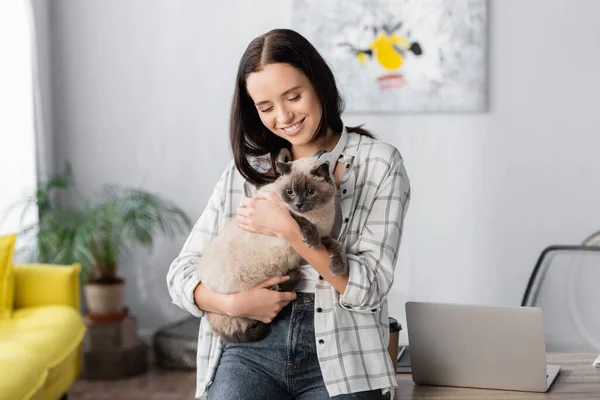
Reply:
x=310, y=192
x=290, y=192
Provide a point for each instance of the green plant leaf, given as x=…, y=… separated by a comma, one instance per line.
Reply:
x=98, y=234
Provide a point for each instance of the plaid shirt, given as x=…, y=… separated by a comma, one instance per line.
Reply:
x=352, y=331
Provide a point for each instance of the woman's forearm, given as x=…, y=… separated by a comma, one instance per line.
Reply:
x=211, y=301
x=317, y=257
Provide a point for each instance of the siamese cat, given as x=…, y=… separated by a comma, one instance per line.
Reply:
x=237, y=260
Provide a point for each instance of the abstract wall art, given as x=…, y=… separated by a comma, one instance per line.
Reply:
x=401, y=56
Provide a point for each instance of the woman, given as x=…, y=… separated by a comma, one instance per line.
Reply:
x=329, y=339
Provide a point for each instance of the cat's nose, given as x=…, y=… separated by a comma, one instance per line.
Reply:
x=299, y=206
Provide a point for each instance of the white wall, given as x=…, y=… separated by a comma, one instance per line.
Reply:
x=142, y=89
x=17, y=145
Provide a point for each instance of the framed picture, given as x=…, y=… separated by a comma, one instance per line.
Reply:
x=401, y=56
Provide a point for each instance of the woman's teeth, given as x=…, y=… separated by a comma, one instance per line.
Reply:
x=292, y=128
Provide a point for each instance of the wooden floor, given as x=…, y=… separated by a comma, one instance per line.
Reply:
x=577, y=380
x=157, y=384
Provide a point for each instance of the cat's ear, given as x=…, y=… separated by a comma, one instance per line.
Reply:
x=322, y=170
x=283, y=168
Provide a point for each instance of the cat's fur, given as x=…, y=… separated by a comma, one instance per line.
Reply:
x=237, y=260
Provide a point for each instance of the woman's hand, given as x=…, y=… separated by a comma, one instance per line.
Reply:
x=266, y=214
x=260, y=303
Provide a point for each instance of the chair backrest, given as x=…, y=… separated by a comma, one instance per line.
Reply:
x=592, y=240
x=565, y=283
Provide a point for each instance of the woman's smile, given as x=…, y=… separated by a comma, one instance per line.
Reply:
x=294, y=129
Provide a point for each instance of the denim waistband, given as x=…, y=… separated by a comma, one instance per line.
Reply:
x=304, y=301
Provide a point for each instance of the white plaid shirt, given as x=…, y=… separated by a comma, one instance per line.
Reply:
x=352, y=331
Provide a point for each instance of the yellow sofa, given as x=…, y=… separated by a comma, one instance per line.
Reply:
x=40, y=338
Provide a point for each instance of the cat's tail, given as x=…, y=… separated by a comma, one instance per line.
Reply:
x=237, y=329
x=253, y=333
x=289, y=285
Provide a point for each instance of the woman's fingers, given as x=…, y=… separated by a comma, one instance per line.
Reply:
x=271, y=196
x=247, y=228
x=248, y=202
x=245, y=211
x=264, y=195
x=283, y=304
x=274, y=281
x=241, y=219
x=287, y=296
x=245, y=223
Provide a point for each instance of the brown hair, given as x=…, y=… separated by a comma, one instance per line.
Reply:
x=248, y=135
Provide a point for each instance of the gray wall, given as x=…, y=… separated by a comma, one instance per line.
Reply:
x=141, y=93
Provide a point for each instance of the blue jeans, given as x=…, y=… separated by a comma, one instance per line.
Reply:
x=282, y=366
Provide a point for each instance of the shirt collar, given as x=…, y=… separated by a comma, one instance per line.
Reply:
x=352, y=144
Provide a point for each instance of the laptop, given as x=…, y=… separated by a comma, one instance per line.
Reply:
x=483, y=347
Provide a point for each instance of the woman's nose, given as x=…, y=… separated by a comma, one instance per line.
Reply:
x=284, y=116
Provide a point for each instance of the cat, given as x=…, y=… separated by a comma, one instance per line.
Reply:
x=236, y=260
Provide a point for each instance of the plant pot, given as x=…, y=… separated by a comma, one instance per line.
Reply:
x=105, y=298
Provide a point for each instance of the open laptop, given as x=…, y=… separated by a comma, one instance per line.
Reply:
x=479, y=346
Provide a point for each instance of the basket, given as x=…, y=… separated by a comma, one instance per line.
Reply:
x=175, y=345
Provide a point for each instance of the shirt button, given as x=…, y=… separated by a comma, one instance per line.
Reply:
x=320, y=278
x=319, y=309
x=346, y=220
x=374, y=310
x=321, y=341
x=341, y=155
x=347, y=166
x=344, y=191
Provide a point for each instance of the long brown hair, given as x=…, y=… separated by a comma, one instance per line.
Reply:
x=248, y=135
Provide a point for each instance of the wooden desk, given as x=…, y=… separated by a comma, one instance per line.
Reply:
x=577, y=379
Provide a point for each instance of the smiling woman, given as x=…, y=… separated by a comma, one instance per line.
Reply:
x=331, y=337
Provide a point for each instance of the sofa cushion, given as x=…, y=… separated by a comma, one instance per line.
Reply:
x=50, y=333
x=23, y=376
x=35, y=343
x=7, y=280
x=39, y=284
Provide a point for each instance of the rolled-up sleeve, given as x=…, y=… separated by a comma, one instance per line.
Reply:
x=373, y=259
x=182, y=277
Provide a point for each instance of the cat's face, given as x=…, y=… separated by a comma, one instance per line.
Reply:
x=305, y=184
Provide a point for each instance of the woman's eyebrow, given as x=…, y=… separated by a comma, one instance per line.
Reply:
x=260, y=103
x=290, y=90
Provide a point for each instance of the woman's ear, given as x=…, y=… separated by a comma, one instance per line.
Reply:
x=283, y=168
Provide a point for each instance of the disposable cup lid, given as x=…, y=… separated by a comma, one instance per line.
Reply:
x=394, y=325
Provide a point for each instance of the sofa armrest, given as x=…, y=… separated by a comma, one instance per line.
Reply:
x=45, y=284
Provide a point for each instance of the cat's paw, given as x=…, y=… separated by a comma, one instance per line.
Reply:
x=339, y=264
x=311, y=236
x=339, y=261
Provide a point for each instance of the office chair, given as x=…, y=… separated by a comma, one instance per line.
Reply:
x=565, y=283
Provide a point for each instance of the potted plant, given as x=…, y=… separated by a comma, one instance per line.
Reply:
x=98, y=234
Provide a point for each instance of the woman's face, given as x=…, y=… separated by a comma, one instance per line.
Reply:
x=286, y=102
